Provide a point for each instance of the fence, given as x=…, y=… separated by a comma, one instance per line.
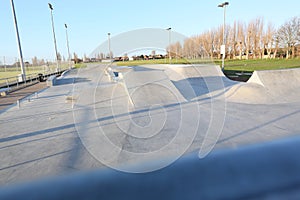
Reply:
x=14, y=82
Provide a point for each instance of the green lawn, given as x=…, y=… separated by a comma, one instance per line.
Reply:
x=11, y=74
x=236, y=65
x=80, y=65
x=252, y=65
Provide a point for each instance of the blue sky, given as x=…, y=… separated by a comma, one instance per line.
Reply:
x=89, y=21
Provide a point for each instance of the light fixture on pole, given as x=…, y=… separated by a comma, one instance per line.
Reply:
x=54, y=38
x=23, y=75
x=169, y=52
x=223, y=47
x=109, y=49
x=68, y=47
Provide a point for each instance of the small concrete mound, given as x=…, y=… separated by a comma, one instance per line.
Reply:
x=268, y=87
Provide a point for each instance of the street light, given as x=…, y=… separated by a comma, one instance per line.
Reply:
x=68, y=47
x=169, y=29
x=23, y=78
x=109, y=50
x=223, y=48
x=54, y=38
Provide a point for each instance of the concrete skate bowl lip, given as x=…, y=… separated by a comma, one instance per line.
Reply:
x=280, y=86
x=204, y=81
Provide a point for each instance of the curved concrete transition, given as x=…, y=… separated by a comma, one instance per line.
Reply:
x=264, y=87
x=268, y=87
x=143, y=114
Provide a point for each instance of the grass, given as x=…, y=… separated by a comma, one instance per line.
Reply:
x=267, y=64
x=11, y=74
x=80, y=65
x=234, y=65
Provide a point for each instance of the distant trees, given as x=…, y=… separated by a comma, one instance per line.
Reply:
x=59, y=57
x=289, y=35
x=37, y=62
x=76, y=59
x=243, y=41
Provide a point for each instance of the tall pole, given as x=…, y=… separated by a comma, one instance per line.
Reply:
x=54, y=38
x=68, y=47
x=23, y=78
x=223, y=48
x=109, y=48
x=224, y=45
x=169, y=29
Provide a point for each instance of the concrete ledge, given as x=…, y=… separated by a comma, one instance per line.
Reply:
x=51, y=81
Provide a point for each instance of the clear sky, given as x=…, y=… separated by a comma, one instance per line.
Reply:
x=89, y=21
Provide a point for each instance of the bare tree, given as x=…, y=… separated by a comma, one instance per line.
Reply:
x=232, y=41
x=248, y=39
x=76, y=59
x=59, y=58
x=35, y=61
x=259, y=41
x=289, y=36
x=270, y=39
x=241, y=39
x=178, y=50
x=252, y=40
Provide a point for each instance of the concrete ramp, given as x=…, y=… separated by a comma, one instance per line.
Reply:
x=175, y=83
x=198, y=81
x=150, y=87
x=268, y=87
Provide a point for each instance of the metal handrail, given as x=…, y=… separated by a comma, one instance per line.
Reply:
x=13, y=82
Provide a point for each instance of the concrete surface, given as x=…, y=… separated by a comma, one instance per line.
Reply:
x=13, y=96
x=258, y=174
x=160, y=112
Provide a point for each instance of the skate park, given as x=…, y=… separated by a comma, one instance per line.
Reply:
x=146, y=118
x=203, y=105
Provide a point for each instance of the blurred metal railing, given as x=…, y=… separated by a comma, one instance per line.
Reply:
x=14, y=82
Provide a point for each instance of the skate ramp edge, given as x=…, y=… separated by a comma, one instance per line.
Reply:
x=268, y=87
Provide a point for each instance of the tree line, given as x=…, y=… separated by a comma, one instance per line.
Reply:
x=255, y=40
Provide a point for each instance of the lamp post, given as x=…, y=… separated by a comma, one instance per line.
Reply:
x=109, y=49
x=23, y=78
x=68, y=47
x=169, y=29
x=54, y=38
x=223, y=47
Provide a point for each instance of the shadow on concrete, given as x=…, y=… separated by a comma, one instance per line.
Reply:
x=34, y=160
x=144, y=69
x=259, y=126
x=38, y=115
x=67, y=81
x=35, y=140
x=40, y=132
x=191, y=88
